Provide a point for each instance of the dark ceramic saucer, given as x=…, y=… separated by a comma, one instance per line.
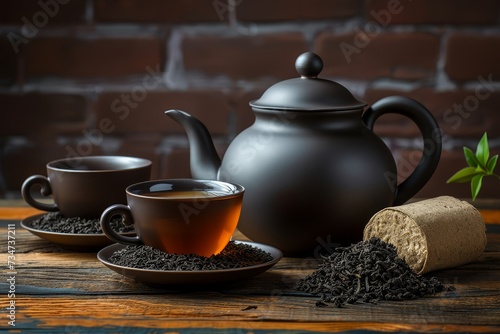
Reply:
x=70, y=241
x=202, y=277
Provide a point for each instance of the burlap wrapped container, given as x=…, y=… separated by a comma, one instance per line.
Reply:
x=432, y=234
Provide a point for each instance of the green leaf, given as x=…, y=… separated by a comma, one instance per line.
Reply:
x=492, y=164
x=464, y=175
x=471, y=158
x=475, y=185
x=483, y=150
x=479, y=165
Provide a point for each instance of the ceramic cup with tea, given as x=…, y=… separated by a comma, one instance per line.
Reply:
x=181, y=216
x=85, y=186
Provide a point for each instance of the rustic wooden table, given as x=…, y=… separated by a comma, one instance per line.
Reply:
x=46, y=289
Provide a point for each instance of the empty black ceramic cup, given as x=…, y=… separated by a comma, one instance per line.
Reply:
x=85, y=186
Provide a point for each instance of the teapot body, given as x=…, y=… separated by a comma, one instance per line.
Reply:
x=313, y=170
x=311, y=178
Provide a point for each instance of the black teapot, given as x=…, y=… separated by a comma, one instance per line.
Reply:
x=313, y=169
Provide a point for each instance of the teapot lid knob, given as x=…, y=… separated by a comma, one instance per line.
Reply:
x=307, y=92
x=309, y=65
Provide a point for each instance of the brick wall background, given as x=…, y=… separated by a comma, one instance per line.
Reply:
x=86, y=77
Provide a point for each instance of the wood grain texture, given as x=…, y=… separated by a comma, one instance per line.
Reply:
x=18, y=212
x=59, y=290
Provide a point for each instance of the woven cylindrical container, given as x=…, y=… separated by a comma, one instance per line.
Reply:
x=432, y=234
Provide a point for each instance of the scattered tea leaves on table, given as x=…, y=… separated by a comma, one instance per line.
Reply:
x=368, y=271
x=56, y=222
x=234, y=255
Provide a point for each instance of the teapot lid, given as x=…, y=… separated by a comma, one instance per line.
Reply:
x=307, y=92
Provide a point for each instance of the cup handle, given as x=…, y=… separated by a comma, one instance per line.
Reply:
x=45, y=191
x=108, y=214
x=431, y=135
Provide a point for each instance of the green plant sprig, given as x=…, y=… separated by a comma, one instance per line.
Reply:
x=479, y=165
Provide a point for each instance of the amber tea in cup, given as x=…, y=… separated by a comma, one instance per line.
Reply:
x=181, y=216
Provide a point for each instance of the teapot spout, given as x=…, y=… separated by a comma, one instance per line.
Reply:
x=204, y=160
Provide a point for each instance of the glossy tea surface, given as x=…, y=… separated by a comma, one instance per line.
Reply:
x=186, y=194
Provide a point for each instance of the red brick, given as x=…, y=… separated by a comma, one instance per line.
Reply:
x=92, y=58
x=457, y=112
x=243, y=57
x=8, y=62
x=469, y=56
x=368, y=55
x=244, y=114
x=175, y=164
x=388, y=12
x=40, y=114
x=18, y=12
x=186, y=11
x=85, y=144
x=147, y=114
x=175, y=160
x=292, y=10
x=143, y=146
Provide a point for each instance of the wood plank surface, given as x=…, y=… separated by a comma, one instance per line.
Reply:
x=63, y=291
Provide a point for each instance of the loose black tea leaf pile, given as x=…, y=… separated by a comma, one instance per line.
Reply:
x=368, y=271
x=56, y=222
x=235, y=255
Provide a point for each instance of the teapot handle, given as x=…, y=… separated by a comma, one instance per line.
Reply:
x=431, y=134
